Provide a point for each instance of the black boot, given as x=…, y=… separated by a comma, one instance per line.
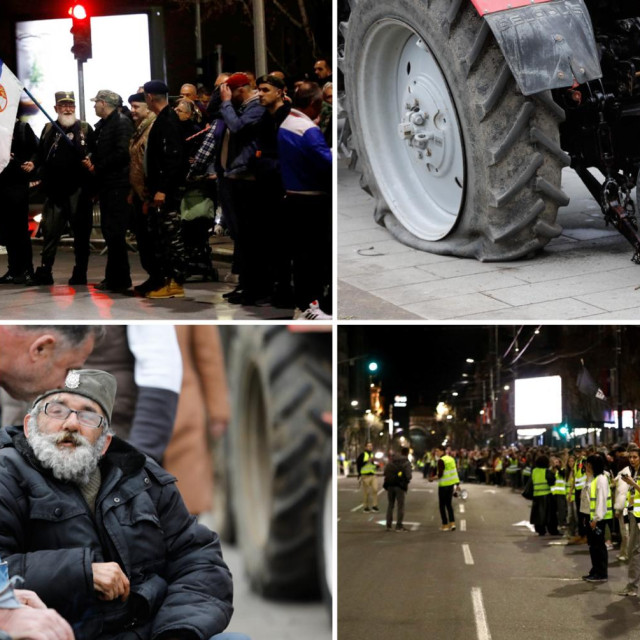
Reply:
x=43, y=276
x=79, y=276
x=7, y=278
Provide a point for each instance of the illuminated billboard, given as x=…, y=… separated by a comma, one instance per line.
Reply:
x=120, y=62
x=538, y=401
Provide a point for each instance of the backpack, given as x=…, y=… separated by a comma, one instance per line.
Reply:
x=394, y=475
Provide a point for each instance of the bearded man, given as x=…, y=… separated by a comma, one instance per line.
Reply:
x=99, y=530
x=67, y=187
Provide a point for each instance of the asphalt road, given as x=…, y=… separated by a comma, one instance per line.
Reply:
x=491, y=579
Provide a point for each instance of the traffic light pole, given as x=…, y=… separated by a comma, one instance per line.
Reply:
x=81, y=90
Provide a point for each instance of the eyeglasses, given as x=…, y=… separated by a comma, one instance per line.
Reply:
x=89, y=419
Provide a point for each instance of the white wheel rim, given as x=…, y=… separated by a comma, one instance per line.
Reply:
x=410, y=129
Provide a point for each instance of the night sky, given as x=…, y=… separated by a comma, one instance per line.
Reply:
x=418, y=361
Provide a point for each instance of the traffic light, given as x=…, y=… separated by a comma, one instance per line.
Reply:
x=81, y=30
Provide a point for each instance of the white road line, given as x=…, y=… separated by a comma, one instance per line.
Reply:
x=463, y=525
x=360, y=506
x=468, y=558
x=482, y=628
x=461, y=508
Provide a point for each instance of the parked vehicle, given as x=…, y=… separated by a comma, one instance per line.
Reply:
x=462, y=115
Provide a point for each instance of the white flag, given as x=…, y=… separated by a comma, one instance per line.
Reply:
x=10, y=90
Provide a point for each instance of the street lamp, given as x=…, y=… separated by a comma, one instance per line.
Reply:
x=354, y=403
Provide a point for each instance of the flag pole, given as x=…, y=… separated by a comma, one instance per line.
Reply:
x=55, y=124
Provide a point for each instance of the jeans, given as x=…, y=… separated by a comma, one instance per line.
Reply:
x=445, y=498
x=393, y=494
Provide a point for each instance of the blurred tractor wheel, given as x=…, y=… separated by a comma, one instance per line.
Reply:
x=280, y=386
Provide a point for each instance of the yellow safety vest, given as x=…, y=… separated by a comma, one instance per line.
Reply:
x=450, y=475
x=540, y=485
x=592, y=502
x=368, y=468
x=580, y=477
x=560, y=487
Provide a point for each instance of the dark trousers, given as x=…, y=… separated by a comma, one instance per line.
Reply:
x=229, y=219
x=598, y=551
x=144, y=240
x=395, y=494
x=76, y=209
x=445, y=497
x=253, y=238
x=195, y=234
x=583, y=518
x=308, y=220
x=14, y=228
x=115, y=215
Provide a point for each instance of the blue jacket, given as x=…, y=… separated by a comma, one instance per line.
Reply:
x=243, y=128
x=180, y=586
x=305, y=158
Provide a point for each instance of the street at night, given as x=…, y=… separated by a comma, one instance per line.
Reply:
x=492, y=578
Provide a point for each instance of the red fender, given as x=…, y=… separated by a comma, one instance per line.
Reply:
x=485, y=7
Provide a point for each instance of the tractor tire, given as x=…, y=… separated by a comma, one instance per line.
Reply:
x=280, y=387
x=458, y=160
x=325, y=528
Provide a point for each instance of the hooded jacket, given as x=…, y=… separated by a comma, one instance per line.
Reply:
x=180, y=585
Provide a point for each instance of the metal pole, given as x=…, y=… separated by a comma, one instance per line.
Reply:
x=51, y=120
x=219, y=62
x=199, y=69
x=619, y=380
x=259, y=37
x=81, y=89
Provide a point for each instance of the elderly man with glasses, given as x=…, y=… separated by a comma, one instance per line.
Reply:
x=99, y=530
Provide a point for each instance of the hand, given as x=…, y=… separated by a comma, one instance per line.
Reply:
x=159, y=199
x=593, y=524
x=87, y=164
x=109, y=581
x=28, y=623
x=225, y=92
x=130, y=199
x=29, y=599
x=27, y=167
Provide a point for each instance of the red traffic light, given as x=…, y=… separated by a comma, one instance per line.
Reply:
x=78, y=12
x=81, y=31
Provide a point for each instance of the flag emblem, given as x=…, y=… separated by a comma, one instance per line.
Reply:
x=4, y=101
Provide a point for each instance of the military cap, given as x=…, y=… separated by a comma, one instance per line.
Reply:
x=136, y=97
x=65, y=96
x=110, y=97
x=156, y=87
x=96, y=385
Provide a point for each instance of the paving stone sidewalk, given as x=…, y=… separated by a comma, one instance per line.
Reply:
x=586, y=273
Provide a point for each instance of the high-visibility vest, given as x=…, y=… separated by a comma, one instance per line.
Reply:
x=526, y=471
x=580, y=477
x=540, y=485
x=592, y=502
x=633, y=501
x=513, y=465
x=450, y=475
x=368, y=468
x=498, y=464
x=560, y=487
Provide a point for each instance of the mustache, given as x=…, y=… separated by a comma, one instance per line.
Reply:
x=69, y=436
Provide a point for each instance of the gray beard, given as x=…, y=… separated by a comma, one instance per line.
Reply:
x=70, y=465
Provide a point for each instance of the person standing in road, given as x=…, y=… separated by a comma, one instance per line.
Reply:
x=630, y=494
x=543, y=514
x=448, y=479
x=110, y=164
x=166, y=171
x=143, y=119
x=367, y=468
x=577, y=485
x=600, y=511
x=397, y=476
x=68, y=188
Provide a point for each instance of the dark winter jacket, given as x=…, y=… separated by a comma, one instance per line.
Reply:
x=165, y=159
x=111, y=156
x=180, y=586
x=397, y=472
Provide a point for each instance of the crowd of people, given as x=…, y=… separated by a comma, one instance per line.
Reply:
x=258, y=149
